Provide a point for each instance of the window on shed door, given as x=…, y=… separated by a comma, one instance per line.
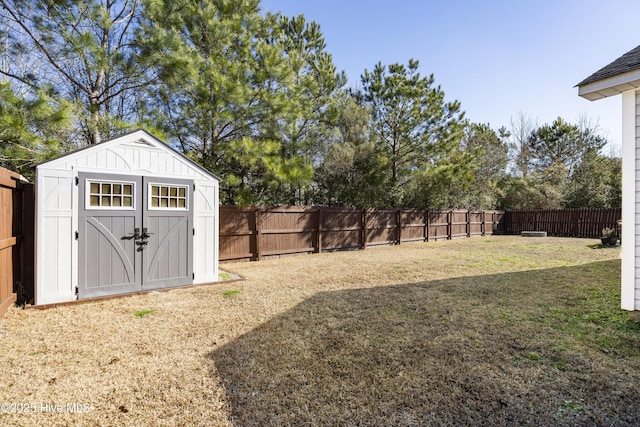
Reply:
x=164, y=196
x=109, y=194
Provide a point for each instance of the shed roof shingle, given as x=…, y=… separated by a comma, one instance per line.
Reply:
x=630, y=61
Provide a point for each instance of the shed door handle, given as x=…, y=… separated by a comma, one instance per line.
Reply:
x=145, y=233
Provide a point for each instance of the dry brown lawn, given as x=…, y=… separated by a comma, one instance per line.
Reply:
x=493, y=331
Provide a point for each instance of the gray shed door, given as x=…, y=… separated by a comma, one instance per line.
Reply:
x=135, y=233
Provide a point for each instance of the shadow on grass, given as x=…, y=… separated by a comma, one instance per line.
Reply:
x=544, y=347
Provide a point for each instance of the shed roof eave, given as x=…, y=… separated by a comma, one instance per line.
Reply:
x=610, y=86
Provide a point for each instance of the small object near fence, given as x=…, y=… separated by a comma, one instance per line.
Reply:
x=533, y=234
x=257, y=233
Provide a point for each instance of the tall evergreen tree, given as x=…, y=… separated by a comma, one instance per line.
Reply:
x=85, y=50
x=33, y=128
x=468, y=177
x=315, y=86
x=595, y=183
x=562, y=168
x=489, y=153
x=353, y=171
x=561, y=145
x=413, y=125
x=239, y=92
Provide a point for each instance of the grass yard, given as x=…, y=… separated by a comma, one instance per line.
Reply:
x=493, y=331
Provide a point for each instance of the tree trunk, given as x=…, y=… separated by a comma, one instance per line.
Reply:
x=95, y=122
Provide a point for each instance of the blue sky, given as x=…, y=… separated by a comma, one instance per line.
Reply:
x=498, y=58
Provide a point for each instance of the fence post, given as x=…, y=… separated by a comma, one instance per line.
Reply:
x=363, y=229
x=494, y=226
x=449, y=224
x=258, y=233
x=468, y=214
x=483, y=225
x=426, y=225
x=399, y=225
x=320, y=230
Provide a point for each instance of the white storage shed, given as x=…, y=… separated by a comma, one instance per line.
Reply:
x=127, y=215
x=622, y=77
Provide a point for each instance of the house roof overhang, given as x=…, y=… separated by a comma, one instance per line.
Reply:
x=610, y=86
x=621, y=75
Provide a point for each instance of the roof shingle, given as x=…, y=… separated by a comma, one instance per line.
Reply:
x=630, y=61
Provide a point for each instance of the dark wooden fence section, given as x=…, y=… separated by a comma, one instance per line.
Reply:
x=16, y=239
x=585, y=222
x=256, y=233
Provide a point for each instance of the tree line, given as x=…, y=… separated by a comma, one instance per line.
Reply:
x=255, y=98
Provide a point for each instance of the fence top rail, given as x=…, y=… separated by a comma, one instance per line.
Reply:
x=9, y=178
x=355, y=210
x=339, y=209
x=562, y=210
x=285, y=209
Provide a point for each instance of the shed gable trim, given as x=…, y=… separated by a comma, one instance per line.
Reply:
x=133, y=139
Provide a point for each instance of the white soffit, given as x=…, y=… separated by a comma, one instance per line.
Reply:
x=610, y=86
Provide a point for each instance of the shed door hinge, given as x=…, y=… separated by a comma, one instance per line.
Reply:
x=76, y=290
x=194, y=231
x=77, y=235
x=77, y=180
x=194, y=187
x=193, y=276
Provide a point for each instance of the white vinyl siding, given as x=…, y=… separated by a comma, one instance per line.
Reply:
x=205, y=249
x=636, y=222
x=55, y=228
x=629, y=199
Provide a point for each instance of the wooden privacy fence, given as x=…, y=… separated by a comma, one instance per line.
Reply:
x=583, y=222
x=256, y=233
x=16, y=239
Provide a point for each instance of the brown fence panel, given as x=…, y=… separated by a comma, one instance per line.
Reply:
x=590, y=222
x=16, y=240
x=258, y=233
x=490, y=221
x=439, y=225
x=521, y=220
x=413, y=225
x=476, y=223
x=341, y=229
x=237, y=237
x=459, y=223
x=288, y=230
x=585, y=222
x=7, y=240
x=499, y=222
x=382, y=227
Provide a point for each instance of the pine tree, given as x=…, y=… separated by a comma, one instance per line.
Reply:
x=413, y=126
x=86, y=50
x=33, y=128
